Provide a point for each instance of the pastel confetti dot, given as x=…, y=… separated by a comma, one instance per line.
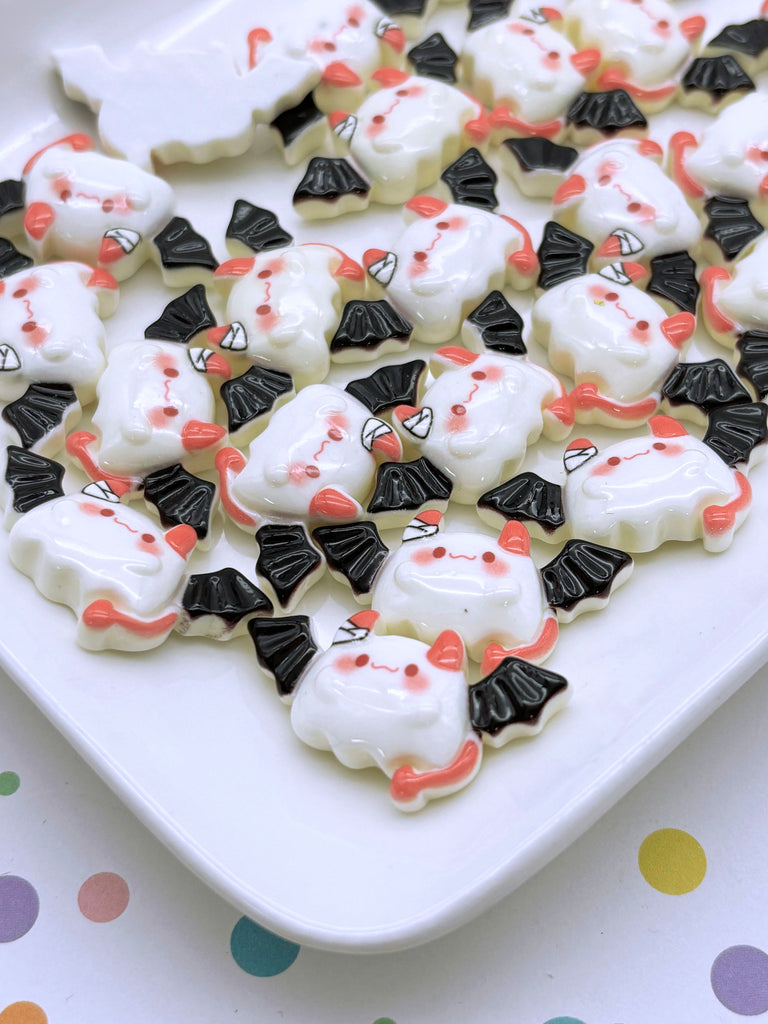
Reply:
x=19, y=907
x=384, y=1020
x=103, y=897
x=672, y=861
x=563, y=1020
x=9, y=783
x=257, y=951
x=739, y=979
x=23, y=1013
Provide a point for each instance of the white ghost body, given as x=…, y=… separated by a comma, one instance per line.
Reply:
x=148, y=395
x=80, y=550
x=642, y=492
x=744, y=298
x=380, y=702
x=522, y=65
x=731, y=157
x=51, y=329
x=623, y=202
x=477, y=419
x=93, y=208
x=461, y=581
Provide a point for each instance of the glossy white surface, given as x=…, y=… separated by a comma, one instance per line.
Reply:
x=286, y=836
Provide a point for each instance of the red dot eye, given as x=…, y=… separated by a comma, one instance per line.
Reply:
x=439, y=553
x=528, y=32
x=420, y=257
x=411, y=670
x=488, y=556
x=458, y=410
x=663, y=23
x=264, y=274
x=106, y=512
x=29, y=326
x=659, y=446
x=614, y=460
x=611, y=296
x=171, y=371
x=604, y=179
x=401, y=92
x=329, y=46
x=353, y=22
x=65, y=194
x=362, y=659
x=336, y=434
x=478, y=375
x=170, y=411
x=108, y=205
x=263, y=310
x=20, y=293
x=443, y=225
x=148, y=538
x=642, y=325
x=553, y=55
x=378, y=119
x=633, y=208
x=764, y=154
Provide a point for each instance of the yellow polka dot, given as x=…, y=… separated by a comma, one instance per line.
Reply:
x=23, y=1013
x=672, y=861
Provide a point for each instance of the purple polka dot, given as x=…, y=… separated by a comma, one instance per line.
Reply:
x=740, y=979
x=19, y=906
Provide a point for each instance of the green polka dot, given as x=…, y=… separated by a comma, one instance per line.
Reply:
x=9, y=783
x=563, y=1020
x=383, y=1020
x=257, y=951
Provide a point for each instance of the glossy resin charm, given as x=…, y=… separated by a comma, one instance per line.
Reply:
x=347, y=40
x=613, y=339
x=528, y=70
x=488, y=589
x=174, y=105
x=112, y=565
x=400, y=705
x=619, y=198
x=638, y=493
x=644, y=45
x=729, y=158
x=51, y=328
x=403, y=136
x=736, y=301
x=155, y=408
x=446, y=261
x=476, y=420
x=284, y=306
x=107, y=213
x=315, y=461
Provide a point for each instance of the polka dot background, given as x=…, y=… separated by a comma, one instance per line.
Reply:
x=672, y=861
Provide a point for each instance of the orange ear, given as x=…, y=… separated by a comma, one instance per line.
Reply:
x=426, y=206
x=181, y=538
x=447, y=652
x=78, y=142
x=665, y=426
x=235, y=268
x=364, y=620
x=456, y=354
x=389, y=77
x=515, y=539
x=570, y=188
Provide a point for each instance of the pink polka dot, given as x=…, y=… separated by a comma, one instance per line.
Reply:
x=103, y=897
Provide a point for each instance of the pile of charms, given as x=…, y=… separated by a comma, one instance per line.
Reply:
x=383, y=112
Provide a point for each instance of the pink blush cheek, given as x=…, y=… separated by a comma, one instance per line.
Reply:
x=456, y=424
x=672, y=451
x=338, y=420
x=596, y=292
x=345, y=663
x=149, y=547
x=417, y=267
x=602, y=470
x=164, y=362
x=90, y=508
x=643, y=337
x=37, y=337
x=276, y=266
x=493, y=373
x=376, y=128
x=551, y=63
x=267, y=321
x=496, y=568
x=416, y=684
x=423, y=557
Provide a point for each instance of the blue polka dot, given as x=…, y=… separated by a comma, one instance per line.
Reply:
x=257, y=951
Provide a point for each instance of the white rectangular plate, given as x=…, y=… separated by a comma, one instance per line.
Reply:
x=192, y=735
